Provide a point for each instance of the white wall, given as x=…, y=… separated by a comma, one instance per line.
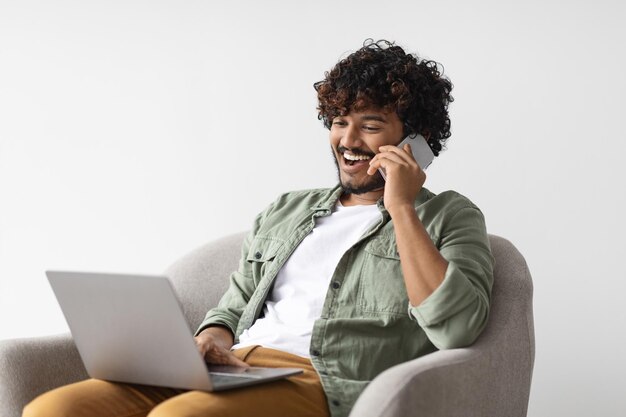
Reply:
x=132, y=132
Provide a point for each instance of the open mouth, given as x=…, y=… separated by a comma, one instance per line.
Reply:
x=351, y=159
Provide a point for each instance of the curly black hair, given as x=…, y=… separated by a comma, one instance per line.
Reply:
x=382, y=75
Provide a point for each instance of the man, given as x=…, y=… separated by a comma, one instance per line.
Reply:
x=343, y=282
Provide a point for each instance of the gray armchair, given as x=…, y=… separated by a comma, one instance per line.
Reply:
x=489, y=379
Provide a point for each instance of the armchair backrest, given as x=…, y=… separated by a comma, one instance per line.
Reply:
x=509, y=337
x=200, y=278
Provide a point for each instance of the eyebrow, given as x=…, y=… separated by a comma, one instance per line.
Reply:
x=375, y=117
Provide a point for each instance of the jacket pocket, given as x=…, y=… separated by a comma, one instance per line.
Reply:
x=381, y=283
x=264, y=248
x=262, y=252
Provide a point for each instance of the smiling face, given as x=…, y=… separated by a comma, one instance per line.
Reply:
x=355, y=139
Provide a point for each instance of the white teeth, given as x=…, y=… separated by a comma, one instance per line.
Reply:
x=351, y=157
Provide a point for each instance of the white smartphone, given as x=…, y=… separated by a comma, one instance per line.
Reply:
x=419, y=148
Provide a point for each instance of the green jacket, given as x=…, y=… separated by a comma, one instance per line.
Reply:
x=367, y=324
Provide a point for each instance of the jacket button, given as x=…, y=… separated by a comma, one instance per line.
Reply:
x=336, y=285
x=336, y=403
x=258, y=255
x=315, y=353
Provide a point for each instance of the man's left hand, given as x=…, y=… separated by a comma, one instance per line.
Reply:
x=405, y=178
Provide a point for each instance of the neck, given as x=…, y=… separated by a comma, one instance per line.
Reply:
x=361, y=199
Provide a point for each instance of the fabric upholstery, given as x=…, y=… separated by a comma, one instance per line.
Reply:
x=490, y=378
x=29, y=367
x=201, y=277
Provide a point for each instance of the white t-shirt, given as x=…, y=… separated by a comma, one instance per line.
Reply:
x=300, y=287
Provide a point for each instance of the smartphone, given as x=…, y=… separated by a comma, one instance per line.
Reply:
x=419, y=148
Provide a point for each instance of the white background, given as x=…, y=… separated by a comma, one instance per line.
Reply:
x=132, y=132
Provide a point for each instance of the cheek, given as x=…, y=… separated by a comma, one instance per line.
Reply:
x=373, y=145
x=384, y=141
x=334, y=139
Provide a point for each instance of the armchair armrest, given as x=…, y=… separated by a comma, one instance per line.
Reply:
x=29, y=367
x=455, y=382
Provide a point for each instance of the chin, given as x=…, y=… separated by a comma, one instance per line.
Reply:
x=377, y=182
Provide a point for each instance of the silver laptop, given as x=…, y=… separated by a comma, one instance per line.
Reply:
x=131, y=328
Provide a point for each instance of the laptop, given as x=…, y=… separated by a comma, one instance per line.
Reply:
x=131, y=328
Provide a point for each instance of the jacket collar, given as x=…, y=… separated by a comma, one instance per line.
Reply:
x=329, y=201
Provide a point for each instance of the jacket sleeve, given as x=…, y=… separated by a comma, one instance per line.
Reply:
x=240, y=289
x=456, y=312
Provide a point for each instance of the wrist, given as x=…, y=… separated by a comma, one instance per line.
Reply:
x=222, y=335
x=399, y=210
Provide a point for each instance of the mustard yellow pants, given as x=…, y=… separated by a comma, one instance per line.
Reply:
x=297, y=396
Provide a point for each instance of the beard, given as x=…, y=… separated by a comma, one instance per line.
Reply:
x=375, y=182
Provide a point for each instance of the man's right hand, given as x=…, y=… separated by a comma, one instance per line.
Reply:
x=214, y=344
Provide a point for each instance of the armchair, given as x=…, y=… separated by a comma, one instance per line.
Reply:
x=488, y=379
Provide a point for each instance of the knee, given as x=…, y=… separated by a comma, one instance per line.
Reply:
x=170, y=409
x=46, y=405
x=63, y=401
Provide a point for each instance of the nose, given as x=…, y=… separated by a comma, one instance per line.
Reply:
x=350, y=138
